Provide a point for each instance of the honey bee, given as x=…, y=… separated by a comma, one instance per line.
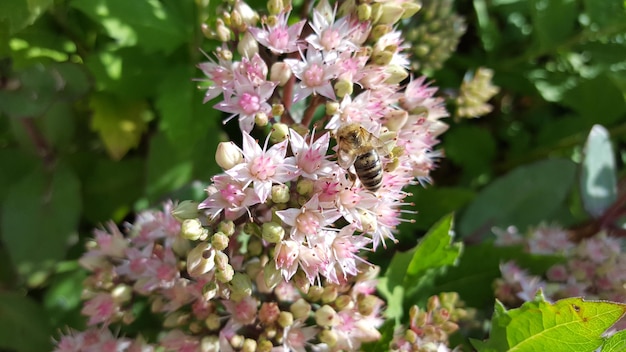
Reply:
x=357, y=146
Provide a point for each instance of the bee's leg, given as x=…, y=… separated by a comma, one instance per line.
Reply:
x=352, y=176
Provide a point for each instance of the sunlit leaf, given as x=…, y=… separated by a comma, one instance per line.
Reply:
x=119, y=123
x=598, y=181
x=615, y=343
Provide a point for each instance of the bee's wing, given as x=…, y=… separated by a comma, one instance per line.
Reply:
x=382, y=148
x=345, y=158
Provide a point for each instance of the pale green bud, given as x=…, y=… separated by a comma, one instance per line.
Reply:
x=219, y=241
x=280, y=73
x=397, y=74
x=247, y=46
x=382, y=58
x=271, y=275
x=221, y=31
x=236, y=341
x=240, y=286
x=261, y=119
x=326, y=317
x=376, y=12
x=249, y=345
x=122, y=293
x=410, y=336
x=315, y=293
x=236, y=21
x=300, y=309
x=265, y=346
x=285, y=319
x=176, y=319
x=274, y=7
x=248, y=15
x=380, y=30
x=273, y=232
x=328, y=337
x=305, y=187
x=226, y=227
x=255, y=247
x=410, y=9
x=186, y=209
x=221, y=260
x=210, y=344
x=228, y=155
x=330, y=294
x=366, y=304
x=226, y=274
x=390, y=14
x=344, y=302
x=364, y=12
x=332, y=107
x=280, y=194
x=343, y=87
x=213, y=321
x=200, y=260
x=279, y=133
x=192, y=229
x=396, y=119
x=278, y=110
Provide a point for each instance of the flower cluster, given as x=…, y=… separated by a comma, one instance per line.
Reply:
x=213, y=297
x=594, y=268
x=272, y=259
x=429, y=329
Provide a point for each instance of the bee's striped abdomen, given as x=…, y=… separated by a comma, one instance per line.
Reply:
x=370, y=170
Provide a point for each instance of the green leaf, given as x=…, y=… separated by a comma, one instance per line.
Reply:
x=15, y=165
x=148, y=24
x=479, y=266
x=119, y=123
x=598, y=182
x=615, y=343
x=17, y=14
x=605, y=108
x=553, y=21
x=62, y=299
x=24, y=326
x=606, y=13
x=527, y=195
x=475, y=159
x=435, y=249
x=39, y=215
x=432, y=204
x=571, y=324
x=168, y=167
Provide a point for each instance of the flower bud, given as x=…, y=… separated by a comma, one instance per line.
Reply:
x=279, y=133
x=265, y=346
x=271, y=275
x=275, y=7
x=343, y=87
x=219, y=241
x=176, y=319
x=278, y=110
x=248, y=15
x=268, y=313
x=192, y=229
x=186, y=209
x=396, y=119
x=410, y=9
x=222, y=32
x=207, y=32
x=236, y=21
x=367, y=331
x=364, y=12
x=236, y=341
x=210, y=344
x=382, y=58
x=122, y=293
x=396, y=73
x=200, y=260
x=368, y=221
x=379, y=30
x=280, y=73
x=332, y=107
x=300, y=309
x=226, y=227
x=213, y=322
x=376, y=12
x=390, y=13
x=261, y=119
x=367, y=304
x=249, y=345
x=315, y=293
x=285, y=319
x=280, y=194
x=240, y=286
x=221, y=260
x=326, y=316
x=247, y=46
x=305, y=187
x=226, y=274
x=328, y=337
x=255, y=247
x=410, y=336
x=330, y=294
x=228, y=155
x=273, y=232
x=344, y=302
x=195, y=327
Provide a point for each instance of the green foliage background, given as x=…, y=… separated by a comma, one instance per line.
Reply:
x=100, y=117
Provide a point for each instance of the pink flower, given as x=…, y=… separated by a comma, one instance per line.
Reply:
x=311, y=157
x=280, y=38
x=262, y=168
x=296, y=337
x=232, y=197
x=219, y=74
x=102, y=308
x=330, y=36
x=247, y=100
x=243, y=312
x=308, y=220
x=314, y=74
x=344, y=249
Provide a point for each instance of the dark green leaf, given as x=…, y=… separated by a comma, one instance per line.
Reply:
x=606, y=13
x=15, y=165
x=526, y=196
x=605, y=108
x=553, y=21
x=432, y=204
x=149, y=24
x=471, y=147
x=62, y=299
x=24, y=326
x=39, y=215
x=168, y=167
x=434, y=250
x=17, y=14
x=598, y=180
